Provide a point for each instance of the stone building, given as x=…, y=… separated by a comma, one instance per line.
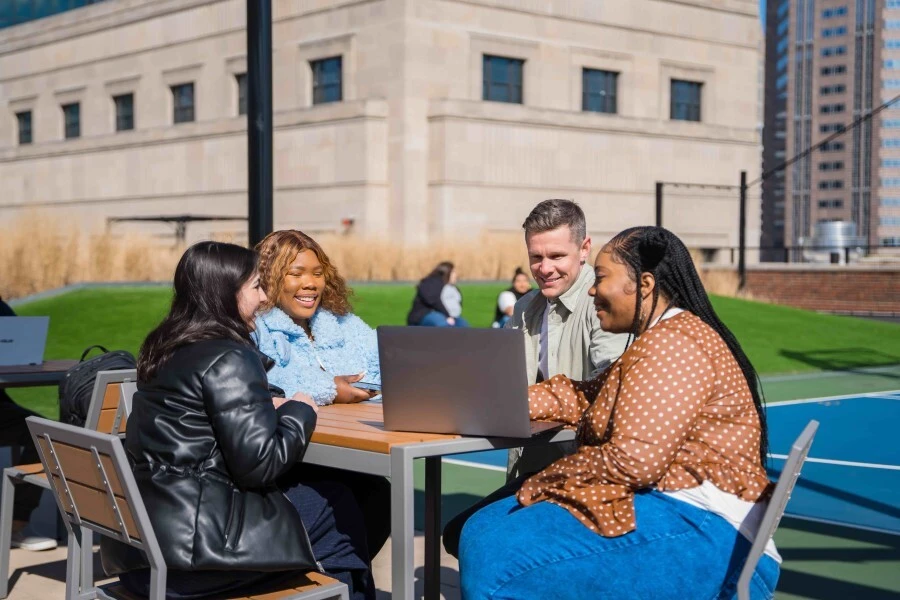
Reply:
x=412, y=120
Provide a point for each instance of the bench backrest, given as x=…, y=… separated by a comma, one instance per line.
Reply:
x=105, y=413
x=777, y=504
x=94, y=486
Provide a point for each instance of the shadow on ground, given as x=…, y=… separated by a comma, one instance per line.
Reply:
x=844, y=359
x=884, y=548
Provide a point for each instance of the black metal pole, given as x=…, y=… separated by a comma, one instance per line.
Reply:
x=259, y=119
x=742, y=234
x=659, y=196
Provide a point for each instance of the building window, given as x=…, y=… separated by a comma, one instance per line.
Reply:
x=831, y=127
x=832, y=89
x=502, y=79
x=837, y=11
x=892, y=24
x=834, y=51
x=183, y=103
x=599, y=90
x=890, y=221
x=892, y=44
x=890, y=182
x=72, y=120
x=892, y=202
x=890, y=143
x=241, y=79
x=24, y=121
x=831, y=166
x=891, y=123
x=831, y=184
x=829, y=32
x=833, y=147
x=827, y=109
x=893, y=3
x=685, y=100
x=893, y=242
x=890, y=163
x=327, y=80
x=833, y=70
x=124, y=112
x=832, y=203
x=891, y=84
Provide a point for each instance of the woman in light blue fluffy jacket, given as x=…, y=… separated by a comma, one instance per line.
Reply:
x=318, y=345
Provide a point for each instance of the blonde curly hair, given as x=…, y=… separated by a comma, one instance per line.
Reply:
x=276, y=253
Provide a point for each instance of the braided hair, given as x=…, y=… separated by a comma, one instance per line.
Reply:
x=659, y=252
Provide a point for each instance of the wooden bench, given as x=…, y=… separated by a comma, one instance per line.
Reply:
x=106, y=414
x=95, y=490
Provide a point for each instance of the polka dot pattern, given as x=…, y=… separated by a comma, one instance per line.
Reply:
x=672, y=412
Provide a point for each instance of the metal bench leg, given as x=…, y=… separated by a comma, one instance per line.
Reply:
x=6, y=515
x=402, y=511
x=73, y=566
x=87, y=559
x=433, y=528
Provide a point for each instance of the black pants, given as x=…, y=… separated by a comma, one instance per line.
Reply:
x=454, y=527
x=14, y=432
x=347, y=518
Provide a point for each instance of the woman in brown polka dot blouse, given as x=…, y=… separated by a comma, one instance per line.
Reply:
x=665, y=493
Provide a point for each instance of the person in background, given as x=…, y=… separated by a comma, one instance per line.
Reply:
x=14, y=432
x=664, y=496
x=438, y=302
x=507, y=299
x=216, y=451
x=306, y=325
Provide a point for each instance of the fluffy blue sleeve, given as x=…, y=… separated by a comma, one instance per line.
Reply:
x=365, y=341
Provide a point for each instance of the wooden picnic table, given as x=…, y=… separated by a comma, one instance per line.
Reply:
x=352, y=437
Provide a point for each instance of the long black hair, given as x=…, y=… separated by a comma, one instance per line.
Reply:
x=205, y=303
x=661, y=253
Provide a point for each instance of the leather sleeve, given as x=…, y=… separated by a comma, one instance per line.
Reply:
x=258, y=443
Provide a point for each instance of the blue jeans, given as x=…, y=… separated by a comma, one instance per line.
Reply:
x=436, y=319
x=677, y=552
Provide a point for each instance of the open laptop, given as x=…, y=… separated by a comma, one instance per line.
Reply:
x=22, y=340
x=449, y=380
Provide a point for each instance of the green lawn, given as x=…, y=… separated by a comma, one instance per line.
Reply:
x=777, y=339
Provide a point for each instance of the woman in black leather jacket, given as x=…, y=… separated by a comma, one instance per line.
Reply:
x=212, y=447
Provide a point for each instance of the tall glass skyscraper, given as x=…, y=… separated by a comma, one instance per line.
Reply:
x=828, y=63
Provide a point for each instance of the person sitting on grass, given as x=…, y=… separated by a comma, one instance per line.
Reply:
x=306, y=326
x=664, y=495
x=438, y=302
x=506, y=301
x=216, y=452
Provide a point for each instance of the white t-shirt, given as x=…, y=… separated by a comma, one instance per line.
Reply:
x=506, y=300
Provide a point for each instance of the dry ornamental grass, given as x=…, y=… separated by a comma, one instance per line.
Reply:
x=39, y=252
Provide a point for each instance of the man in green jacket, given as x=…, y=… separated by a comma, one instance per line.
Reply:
x=563, y=333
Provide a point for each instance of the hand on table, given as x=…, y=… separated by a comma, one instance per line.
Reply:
x=347, y=394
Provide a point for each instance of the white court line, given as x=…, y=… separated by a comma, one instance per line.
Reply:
x=842, y=463
x=842, y=524
x=477, y=465
x=892, y=395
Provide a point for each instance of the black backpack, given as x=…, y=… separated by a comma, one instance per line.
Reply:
x=78, y=384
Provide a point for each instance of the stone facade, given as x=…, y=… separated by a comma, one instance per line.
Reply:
x=412, y=152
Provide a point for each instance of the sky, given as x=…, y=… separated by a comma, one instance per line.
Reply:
x=762, y=10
